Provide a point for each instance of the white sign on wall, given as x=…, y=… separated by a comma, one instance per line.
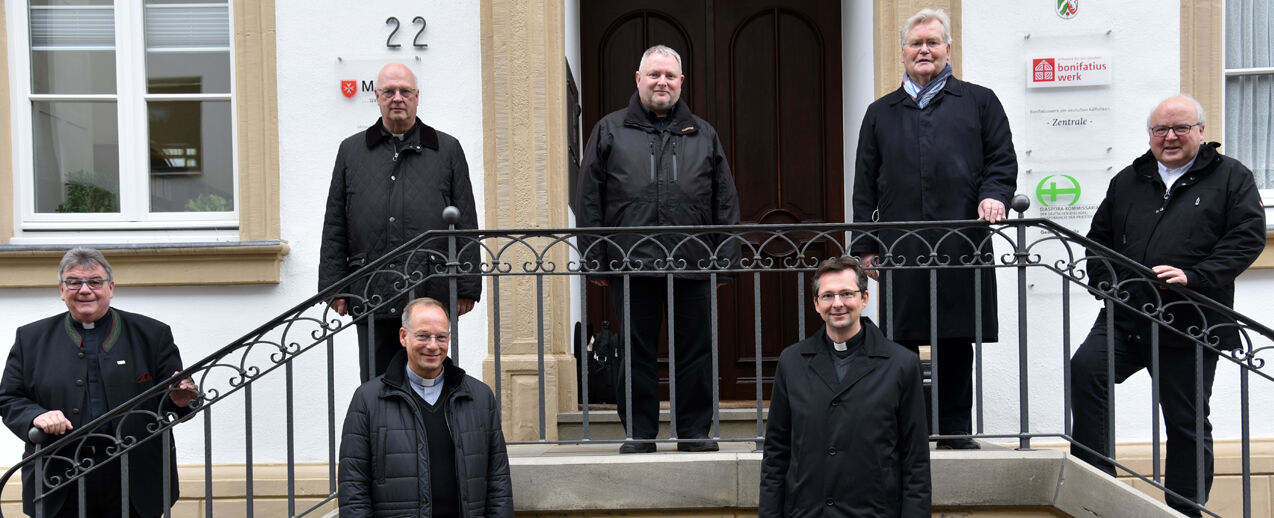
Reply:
x=1063, y=71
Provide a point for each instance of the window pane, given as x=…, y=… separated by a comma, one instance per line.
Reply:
x=76, y=156
x=1249, y=101
x=72, y=50
x=187, y=47
x=1248, y=40
x=191, y=161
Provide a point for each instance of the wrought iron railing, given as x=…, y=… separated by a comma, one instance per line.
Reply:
x=1013, y=249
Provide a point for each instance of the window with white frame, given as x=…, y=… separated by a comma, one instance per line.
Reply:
x=127, y=122
x=1249, y=88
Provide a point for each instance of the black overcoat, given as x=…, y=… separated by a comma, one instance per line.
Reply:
x=45, y=371
x=934, y=164
x=852, y=448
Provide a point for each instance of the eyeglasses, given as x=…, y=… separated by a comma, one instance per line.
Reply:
x=74, y=284
x=1180, y=129
x=917, y=44
x=407, y=93
x=828, y=298
x=440, y=339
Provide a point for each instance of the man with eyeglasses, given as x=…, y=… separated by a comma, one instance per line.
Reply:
x=390, y=184
x=846, y=433
x=424, y=439
x=69, y=369
x=1194, y=217
x=936, y=149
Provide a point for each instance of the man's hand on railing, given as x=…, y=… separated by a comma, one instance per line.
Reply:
x=991, y=210
x=186, y=392
x=600, y=282
x=464, y=306
x=52, y=422
x=1170, y=274
x=340, y=306
x=868, y=261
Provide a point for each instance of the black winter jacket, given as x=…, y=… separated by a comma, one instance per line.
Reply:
x=635, y=175
x=384, y=431
x=1211, y=225
x=45, y=371
x=381, y=197
x=857, y=447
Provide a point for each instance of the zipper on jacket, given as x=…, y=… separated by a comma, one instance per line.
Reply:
x=1167, y=193
x=652, y=159
x=674, y=159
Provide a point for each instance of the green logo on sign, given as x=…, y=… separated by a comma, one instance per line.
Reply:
x=1057, y=188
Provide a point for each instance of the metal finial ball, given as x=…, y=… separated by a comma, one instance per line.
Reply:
x=451, y=215
x=1021, y=202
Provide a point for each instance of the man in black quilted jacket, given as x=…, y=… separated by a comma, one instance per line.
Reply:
x=424, y=439
x=390, y=184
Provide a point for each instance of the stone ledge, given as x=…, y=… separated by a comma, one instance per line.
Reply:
x=184, y=264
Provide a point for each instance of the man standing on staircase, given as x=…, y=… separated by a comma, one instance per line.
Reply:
x=655, y=163
x=389, y=185
x=1194, y=217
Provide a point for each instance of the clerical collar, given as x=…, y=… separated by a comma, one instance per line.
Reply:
x=852, y=342
x=93, y=324
x=422, y=381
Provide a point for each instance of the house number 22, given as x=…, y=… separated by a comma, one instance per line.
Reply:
x=415, y=42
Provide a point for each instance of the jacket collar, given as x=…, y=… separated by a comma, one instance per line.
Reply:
x=395, y=377
x=1207, y=159
x=954, y=87
x=816, y=352
x=420, y=134
x=680, y=120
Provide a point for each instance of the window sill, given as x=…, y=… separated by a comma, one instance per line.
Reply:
x=181, y=264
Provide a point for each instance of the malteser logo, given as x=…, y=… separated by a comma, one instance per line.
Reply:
x=1042, y=70
x=349, y=87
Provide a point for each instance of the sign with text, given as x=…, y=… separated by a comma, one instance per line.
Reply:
x=1064, y=71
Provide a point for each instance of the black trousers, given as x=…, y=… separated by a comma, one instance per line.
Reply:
x=692, y=353
x=387, y=344
x=101, y=495
x=955, y=384
x=1177, y=391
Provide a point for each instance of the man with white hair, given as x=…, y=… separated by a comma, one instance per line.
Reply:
x=1194, y=217
x=935, y=149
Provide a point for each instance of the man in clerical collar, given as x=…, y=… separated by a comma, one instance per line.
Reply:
x=425, y=408
x=846, y=434
x=64, y=371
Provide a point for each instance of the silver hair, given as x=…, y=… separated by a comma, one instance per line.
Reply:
x=660, y=49
x=924, y=16
x=1199, y=115
x=84, y=257
x=421, y=301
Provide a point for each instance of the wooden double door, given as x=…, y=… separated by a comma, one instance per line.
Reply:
x=767, y=76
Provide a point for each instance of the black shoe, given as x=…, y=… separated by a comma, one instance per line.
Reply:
x=958, y=444
x=696, y=446
x=637, y=447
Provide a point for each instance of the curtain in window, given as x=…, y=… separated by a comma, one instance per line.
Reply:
x=1249, y=86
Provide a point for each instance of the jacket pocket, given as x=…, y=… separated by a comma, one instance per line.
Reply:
x=379, y=457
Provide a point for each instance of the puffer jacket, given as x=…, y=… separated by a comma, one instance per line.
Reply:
x=1210, y=224
x=382, y=196
x=635, y=175
x=385, y=422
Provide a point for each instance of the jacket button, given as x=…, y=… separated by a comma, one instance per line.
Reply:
x=391, y=219
x=830, y=502
x=392, y=178
x=420, y=446
x=79, y=383
x=832, y=451
x=835, y=402
x=80, y=355
x=75, y=411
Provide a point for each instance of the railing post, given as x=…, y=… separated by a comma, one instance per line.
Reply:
x=451, y=215
x=1020, y=204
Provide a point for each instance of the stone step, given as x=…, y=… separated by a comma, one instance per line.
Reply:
x=603, y=424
